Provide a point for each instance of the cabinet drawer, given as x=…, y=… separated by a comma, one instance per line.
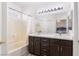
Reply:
x=44, y=44
x=44, y=40
x=36, y=52
x=44, y=52
x=45, y=48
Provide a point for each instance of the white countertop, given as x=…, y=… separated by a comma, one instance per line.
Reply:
x=58, y=36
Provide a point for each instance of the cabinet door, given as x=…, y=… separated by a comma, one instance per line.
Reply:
x=31, y=44
x=66, y=51
x=54, y=50
x=54, y=47
x=36, y=45
x=66, y=48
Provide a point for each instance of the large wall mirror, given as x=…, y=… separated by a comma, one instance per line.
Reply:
x=64, y=25
x=61, y=26
x=70, y=20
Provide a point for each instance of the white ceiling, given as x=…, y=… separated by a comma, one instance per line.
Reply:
x=33, y=7
x=32, y=4
x=26, y=5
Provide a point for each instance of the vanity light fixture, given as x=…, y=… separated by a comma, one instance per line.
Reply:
x=45, y=11
x=50, y=10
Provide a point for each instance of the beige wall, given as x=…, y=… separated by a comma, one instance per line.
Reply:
x=16, y=30
x=17, y=34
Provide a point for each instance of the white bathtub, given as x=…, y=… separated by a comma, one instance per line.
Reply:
x=21, y=51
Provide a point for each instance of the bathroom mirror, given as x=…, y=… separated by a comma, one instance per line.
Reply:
x=64, y=25
x=70, y=21
x=38, y=28
x=61, y=26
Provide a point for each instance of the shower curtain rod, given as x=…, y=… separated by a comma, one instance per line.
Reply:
x=18, y=11
x=15, y=10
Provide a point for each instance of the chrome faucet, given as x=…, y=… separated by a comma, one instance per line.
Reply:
x=60, y=32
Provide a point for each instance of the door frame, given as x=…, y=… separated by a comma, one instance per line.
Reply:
x=75, y=29
x=4, y=29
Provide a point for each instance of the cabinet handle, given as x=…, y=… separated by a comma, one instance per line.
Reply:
x=44, y=45
x=44, y=50
x=44, y=40
x=58, y=48
x=61, y=49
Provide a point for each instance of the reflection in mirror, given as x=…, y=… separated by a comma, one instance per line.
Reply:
x=69, y=24
x=70, y=21
x=61, y=26
x=38, y=28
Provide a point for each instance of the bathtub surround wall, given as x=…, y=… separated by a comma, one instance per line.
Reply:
x=17, y=31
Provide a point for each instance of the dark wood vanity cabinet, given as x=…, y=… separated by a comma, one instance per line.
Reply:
x=50, y=46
